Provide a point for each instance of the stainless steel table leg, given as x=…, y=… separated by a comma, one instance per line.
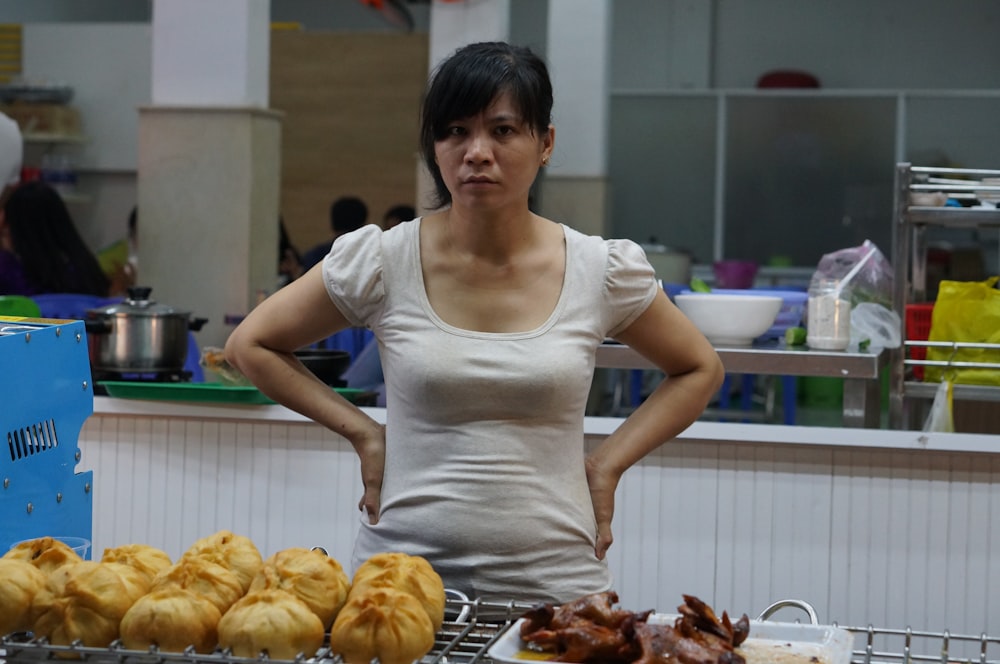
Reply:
x=862, y=403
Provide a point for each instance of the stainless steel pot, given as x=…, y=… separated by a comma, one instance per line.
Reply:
x=139, y=335
x=672, y=266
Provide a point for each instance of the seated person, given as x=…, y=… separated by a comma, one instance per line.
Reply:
x=40, y=248
x=119, y=260
x=347, y=214
x=396, y=215
x=289, y=260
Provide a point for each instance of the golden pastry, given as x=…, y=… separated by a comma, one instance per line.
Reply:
x=234, y=552
x=204, y=578
x=312, y=576
x=45, y=553
x=147, y=559
x=411, y=574
x=20, y=581
x=87, y=602
x=271, y=621
x=381, y=622
x=171, y=619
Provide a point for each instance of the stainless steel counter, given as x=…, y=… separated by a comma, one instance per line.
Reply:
x=859, y=371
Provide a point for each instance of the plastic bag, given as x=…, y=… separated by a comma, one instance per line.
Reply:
x=877, y=325
x=967, y=311
x=941, y=418
x=867, y=272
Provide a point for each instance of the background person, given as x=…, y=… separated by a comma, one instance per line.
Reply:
x=120, y=260
x=396, y=215
x=488, y=319
x=289, y=260
x=348, y=213
x=40, y=248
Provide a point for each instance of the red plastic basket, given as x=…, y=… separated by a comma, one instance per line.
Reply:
x=918, y=328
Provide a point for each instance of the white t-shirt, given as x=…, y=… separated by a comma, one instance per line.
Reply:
x=484, y=472
x=11, y=151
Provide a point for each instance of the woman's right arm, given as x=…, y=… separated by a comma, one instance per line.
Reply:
x=262, y=348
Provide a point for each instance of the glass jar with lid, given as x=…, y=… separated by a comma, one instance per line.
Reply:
x=828, y=322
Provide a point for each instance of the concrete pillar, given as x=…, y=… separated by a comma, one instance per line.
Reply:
x=575, y=189
x=452, y=25
x=455, y=24
x=209, y=161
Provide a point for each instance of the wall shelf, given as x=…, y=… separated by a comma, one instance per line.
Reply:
x=54, y=138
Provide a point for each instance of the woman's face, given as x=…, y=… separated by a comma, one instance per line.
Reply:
x=490, y=160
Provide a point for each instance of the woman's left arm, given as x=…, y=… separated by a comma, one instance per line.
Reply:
x=665, y=337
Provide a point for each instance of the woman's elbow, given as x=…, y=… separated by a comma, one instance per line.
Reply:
x=235, y=349
x=716, y=372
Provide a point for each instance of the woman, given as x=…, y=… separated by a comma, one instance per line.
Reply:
x=40, y=248
x=488, y=318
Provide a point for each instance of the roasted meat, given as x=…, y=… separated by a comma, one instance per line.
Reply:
x=701, y=617
x=591, y=629
x=663, y=644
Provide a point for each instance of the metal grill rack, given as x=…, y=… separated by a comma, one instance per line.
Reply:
x=472, y=627
x=874, y=645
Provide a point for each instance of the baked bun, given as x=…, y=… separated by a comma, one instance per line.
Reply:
x=271, y=621
x=147, y=559
x=381, y=622
x=312, y=576
x=171, y=619
x=20, y=581
x=45, y=553
x=411, y=574
x=234, y=552
x=204, y=578
x=87, y=602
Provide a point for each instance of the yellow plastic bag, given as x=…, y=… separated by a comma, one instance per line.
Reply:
x=967, y=311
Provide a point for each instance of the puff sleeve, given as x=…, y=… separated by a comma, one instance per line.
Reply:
x=630, y=284
x=352, y=273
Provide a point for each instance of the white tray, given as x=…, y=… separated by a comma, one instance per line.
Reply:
x=769, y=643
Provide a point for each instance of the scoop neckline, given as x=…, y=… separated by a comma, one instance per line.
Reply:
x=443, y=325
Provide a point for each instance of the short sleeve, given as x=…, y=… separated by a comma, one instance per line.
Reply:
x=630, y=284
x=352, y=273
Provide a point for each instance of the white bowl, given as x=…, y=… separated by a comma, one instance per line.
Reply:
x=730, y=320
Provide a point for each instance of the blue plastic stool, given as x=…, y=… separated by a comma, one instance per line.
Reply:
x=788, y=395
x=72, y=306
x=352, y=339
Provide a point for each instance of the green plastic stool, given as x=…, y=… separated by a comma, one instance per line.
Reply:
x=19, y=305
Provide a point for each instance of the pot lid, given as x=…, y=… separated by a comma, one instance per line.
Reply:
x=138, y=303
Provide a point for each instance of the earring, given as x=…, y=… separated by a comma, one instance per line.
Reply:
x=545, y=161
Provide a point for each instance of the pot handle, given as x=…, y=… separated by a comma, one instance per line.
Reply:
x=196, y=323
x=796, y=603
x=97, y=325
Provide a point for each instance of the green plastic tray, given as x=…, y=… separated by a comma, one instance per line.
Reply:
x=202, y=392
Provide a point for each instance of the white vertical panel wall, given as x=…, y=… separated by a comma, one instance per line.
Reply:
x=888, y=538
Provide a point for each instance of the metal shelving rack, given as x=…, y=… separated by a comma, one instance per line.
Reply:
x=910, y=224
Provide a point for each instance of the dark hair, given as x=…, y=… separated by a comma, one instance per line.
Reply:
x=285, y=242
x=468, y=81
x=401, y=212
x=54, y=256
x=348, y=213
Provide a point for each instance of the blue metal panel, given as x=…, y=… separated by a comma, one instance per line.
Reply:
x=45, y=397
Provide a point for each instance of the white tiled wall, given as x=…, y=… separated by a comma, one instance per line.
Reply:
x=888, y=538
